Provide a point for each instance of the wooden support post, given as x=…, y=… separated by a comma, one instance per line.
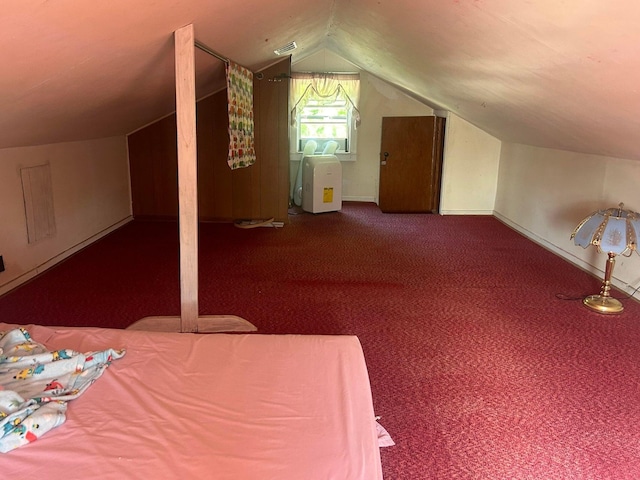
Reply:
x=189, y=320
x=187, y=176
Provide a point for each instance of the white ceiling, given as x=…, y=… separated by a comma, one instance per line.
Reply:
x=556, y=73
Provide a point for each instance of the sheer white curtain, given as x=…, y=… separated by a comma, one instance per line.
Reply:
x=324, y=88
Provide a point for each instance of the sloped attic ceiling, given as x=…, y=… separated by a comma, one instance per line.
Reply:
x=559, y=74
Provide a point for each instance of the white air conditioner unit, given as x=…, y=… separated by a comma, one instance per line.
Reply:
x=321, y=184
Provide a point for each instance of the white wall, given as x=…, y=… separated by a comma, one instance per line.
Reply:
x=545, y=193
x=360, y=175
x=471, y=156
x=91, y=196
x=470, y=169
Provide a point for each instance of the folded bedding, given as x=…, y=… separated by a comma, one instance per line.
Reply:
x=36, y=385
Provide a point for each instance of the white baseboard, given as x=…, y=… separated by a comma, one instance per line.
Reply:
x=356, y=198
x=28, y=275
x=568, y=256
x=466, y=212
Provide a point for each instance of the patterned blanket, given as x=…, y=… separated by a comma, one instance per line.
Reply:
x=36, y=384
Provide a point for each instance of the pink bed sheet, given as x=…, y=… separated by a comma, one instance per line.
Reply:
x=218, y=406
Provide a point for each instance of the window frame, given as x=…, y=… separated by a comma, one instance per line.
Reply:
x=347, y=145
x=341, y=122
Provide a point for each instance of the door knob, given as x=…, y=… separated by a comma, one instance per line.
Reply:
x=386, y=155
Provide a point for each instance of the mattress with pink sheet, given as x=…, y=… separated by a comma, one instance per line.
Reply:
x=214, y=406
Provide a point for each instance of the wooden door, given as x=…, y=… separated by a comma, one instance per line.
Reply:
x=410, y=164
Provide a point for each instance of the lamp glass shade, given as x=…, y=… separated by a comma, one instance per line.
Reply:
x=585, y=231
x=614, y=230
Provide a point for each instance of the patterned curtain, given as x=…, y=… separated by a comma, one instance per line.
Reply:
x=240, y=102
x=324, y=88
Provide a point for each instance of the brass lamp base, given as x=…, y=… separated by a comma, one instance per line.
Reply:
x=603, y=304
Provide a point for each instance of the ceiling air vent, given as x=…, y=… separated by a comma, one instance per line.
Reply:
x=286, y=49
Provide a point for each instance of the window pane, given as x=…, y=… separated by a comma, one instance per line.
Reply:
x=324, y=122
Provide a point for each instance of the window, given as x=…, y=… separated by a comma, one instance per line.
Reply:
x=323, y=124
x=324, y=111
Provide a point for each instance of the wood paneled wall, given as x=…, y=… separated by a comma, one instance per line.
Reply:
x=257, y=192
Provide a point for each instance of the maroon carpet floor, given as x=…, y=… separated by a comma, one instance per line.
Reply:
x=478, y=369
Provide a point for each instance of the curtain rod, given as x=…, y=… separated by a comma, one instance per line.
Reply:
x=206, y=49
